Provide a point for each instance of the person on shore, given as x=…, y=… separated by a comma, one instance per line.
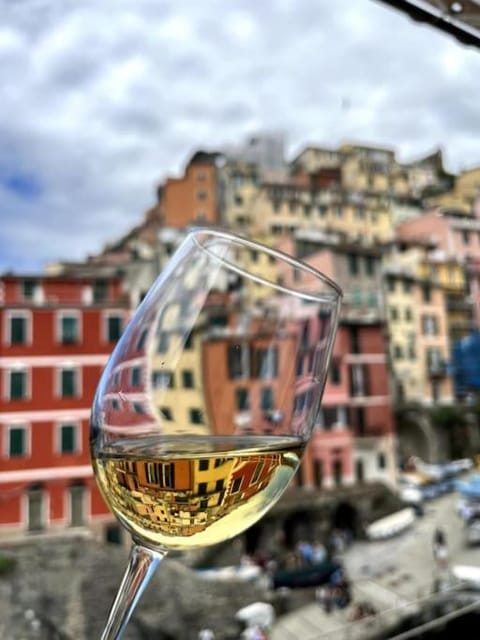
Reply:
x=440, y=549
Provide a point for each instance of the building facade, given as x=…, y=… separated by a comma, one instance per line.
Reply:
x=56, y=334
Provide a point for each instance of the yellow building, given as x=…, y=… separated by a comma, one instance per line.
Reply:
x=240, y=185
x=465, y=194
x=313, y=159
x=418, y=323
x=402, y=344
x=176, y=376
x=433, y=342
x=282, y=209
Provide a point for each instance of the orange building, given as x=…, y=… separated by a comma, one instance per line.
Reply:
x=193, y=198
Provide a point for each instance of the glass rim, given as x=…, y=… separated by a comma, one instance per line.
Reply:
x=255, y=245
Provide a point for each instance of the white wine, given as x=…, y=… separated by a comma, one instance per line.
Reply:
x=183, y=493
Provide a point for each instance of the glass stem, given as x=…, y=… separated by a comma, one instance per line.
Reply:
x=142, y=564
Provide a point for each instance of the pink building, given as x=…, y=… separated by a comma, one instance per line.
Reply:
x=456, y=235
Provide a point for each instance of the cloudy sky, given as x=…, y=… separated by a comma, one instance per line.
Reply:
x=101, y=99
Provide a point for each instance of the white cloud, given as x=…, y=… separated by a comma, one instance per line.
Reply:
x=100, y=100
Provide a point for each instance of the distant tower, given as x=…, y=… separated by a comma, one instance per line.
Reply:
x=266, y=150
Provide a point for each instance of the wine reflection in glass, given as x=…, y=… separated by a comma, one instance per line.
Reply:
x=209, y=399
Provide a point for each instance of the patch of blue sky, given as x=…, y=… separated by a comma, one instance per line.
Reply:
x=23, y=185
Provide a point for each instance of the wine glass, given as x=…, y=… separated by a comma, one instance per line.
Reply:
x=209, y=398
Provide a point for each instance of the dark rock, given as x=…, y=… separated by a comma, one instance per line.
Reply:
x=62, y=590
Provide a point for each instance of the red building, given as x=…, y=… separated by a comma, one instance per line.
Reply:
x=56, y=333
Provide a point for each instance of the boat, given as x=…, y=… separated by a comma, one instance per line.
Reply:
x=310, y=576
x=470, y=488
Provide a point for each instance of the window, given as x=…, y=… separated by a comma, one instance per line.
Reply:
x=68, y=383
x=381, y=460
x=202, y=195
x=360, y=423
x=466, y=236
x=426, y=293
x=393, y=313
x=188, y=341
x=359, y=380
x=28, y=289
x=219, y=485
x=391, y=284
x=166, y=413
x=429, y=325
x=196, y=416
x=254, y=256
x=335, y=373
x=100, y=290
x=17, y=441
x=163, y=342
x=370, y=265
x=36, y=510
x=357, y=296
x=354, y=340
x=408, y=315
x=337, y=472
x=267, y=363
x=397, y=352
x=203, y=464
x=139, y=408
x=77, y=505
x=353, y=264
x=114, y=328
x=359, y=471
x=68, y=438
x=162, y=379
x=318, y=473
x=187, y=379
x=266, y=398
x=434, y=359
x=407, y=286
x=69, y=329
x=18, y=385
x=19, y=329
x=238, y=361
x=412, y=353
x=257, y=472
x=202, y=488
x=242, y=399
x=136, y=376
x=236, y=484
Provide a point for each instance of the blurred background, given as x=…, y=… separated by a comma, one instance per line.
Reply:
x=347, y=135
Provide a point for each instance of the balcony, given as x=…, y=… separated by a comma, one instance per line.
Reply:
x=459, y=304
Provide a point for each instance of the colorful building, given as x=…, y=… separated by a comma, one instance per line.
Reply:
x=56, y=334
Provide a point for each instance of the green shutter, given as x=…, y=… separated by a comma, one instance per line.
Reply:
x=267, y=398
x=69, y=330
x=68, y=438
x=17, y=385
x=17, y=442
x=18, y=330
x=68, y=383
x=114, y=328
